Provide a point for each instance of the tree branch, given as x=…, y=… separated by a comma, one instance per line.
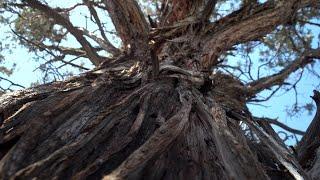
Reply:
x=207, y=9
x=129, y=21
x=105, y=42
x=245, y=25
x=280, y=124
x=78, y=34
x=259, y=85
x=11, y=82
x=106, y=45
x=61, y=59
x=181, y=10
x=63, y=50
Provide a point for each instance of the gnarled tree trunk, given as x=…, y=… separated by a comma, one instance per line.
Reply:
x=155, y=112
x=89, y=127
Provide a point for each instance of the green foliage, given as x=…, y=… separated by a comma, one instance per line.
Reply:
x=37, y=28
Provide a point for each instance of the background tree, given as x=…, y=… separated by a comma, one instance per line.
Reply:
x=167, y=101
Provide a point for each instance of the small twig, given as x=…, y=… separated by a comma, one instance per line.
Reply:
x=12, y=83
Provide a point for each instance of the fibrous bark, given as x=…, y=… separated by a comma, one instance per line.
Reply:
x=307, y=147
x=92, y=127
x=182, y=122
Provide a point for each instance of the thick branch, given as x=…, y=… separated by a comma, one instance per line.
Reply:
x=268, y=128
x=245, y=25
x=128, y=20
x=180, y=10
x=278, y=79
x=78, y=34
x=207, y=9
x=281, y=154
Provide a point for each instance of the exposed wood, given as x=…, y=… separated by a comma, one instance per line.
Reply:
x=280, y=153
x=226, y=141
x=268, y=129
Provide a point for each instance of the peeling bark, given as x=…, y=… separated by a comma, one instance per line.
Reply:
x=129, y=22
x=310, y=142
x=314, y=171
x=116, y=122
x=247, y=25
x=120, y=129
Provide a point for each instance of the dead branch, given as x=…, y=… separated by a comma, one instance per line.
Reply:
x=12, y=83
x=280, y=124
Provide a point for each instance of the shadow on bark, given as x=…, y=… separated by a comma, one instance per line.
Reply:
x=120, y=129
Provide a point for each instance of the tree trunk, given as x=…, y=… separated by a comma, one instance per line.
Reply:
x=116, y=122
x=309, y=144
x=97, y=126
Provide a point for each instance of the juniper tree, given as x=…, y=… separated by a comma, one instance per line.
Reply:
x=166, y=101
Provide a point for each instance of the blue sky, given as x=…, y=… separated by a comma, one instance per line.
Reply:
x=25, y=74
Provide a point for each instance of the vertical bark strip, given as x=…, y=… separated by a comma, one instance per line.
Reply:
x=129, y=21
x=114, y=123
x=157, y=143
x=180, y=10
x=281, y=154
x=236, y=156
x=310, y=142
